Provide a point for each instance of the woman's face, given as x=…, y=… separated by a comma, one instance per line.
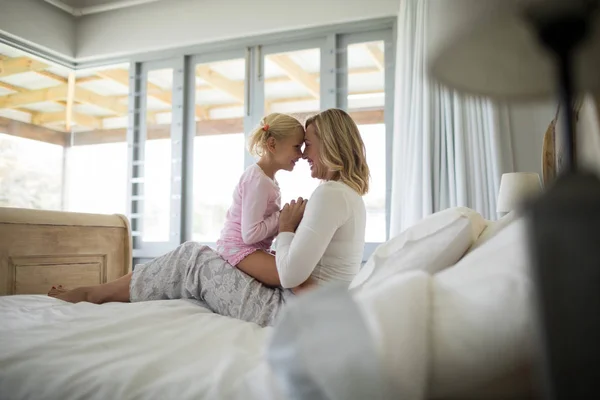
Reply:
x=311, y=153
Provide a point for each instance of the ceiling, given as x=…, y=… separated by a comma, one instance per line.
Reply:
x=78, y=8
x=88, y=3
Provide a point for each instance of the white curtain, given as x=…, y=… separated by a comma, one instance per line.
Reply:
x=588, y=134
x=449, y=149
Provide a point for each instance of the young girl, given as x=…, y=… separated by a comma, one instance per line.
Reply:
x=252, y=221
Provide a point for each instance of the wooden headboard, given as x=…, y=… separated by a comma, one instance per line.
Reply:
x=40, y=249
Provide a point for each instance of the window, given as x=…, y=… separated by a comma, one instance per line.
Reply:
x=30, y=173
x=292, y=86
x=97, y=178
x=31, y=154
x=173, y=157
x=374, y=138
x=96, y=159
x=157, y=156
x=366, y=104
x=218, y=144
x=68, y=151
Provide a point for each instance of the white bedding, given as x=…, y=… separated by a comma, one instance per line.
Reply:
x=173, y=349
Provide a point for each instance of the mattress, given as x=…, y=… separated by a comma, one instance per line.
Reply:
x=172, y=349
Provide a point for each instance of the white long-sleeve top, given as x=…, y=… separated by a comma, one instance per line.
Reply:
x=329, y=242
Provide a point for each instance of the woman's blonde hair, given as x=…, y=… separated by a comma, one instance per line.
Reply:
x=342, y=149
x=275, y=125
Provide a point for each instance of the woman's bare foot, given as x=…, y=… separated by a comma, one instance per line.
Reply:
x=55, y=291
x=76, y=295
x=117, y=290
x=72, y=296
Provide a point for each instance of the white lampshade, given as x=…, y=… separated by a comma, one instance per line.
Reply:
x=515, y=188
x=488, y=47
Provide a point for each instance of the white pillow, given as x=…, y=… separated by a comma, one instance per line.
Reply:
x=397, y=315
x=492, y=228
x=481, y=321
x=321, y=348
x=436, y=242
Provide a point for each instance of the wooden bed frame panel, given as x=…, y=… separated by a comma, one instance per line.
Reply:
x=40, y=249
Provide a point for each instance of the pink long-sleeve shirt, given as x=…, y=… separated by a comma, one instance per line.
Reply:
x=252, y=221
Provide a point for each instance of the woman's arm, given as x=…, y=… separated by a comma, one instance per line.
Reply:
x=255, y=198
x=261, y=265
x=298, y=253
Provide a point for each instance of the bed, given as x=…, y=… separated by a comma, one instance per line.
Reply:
x=179, y=349
x=446, y=304
x=155, y=350
x=165, y=349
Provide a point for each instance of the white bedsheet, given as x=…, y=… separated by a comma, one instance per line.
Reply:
x=173, y=349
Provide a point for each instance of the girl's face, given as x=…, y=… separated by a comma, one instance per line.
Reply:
x=288, y=151
x=312, y=146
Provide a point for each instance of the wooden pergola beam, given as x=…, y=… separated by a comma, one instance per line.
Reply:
x=122, y=76
x=297, y=74
x=14, y=88
x=109, y=103
x=203, y=128
x=220, y=82
x=61, y=93
x=70, y=102
x=377, y=55
x=17, y=89
x=117, y=75
x=60, y=116
x=53, y=76
x=20, y=89
x=90, y=78
x=19, y=65
x=34, y=132
x=315, y=75
x=291, y=99
x=24, y=98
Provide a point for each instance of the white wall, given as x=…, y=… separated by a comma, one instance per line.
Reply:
x=529, y=123
x=38, y=22
x=177, y=23
x=588, y=135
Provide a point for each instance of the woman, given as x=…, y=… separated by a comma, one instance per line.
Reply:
x=319, y=242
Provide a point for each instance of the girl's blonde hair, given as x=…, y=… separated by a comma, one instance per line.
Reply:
x=276, y=125
x=342, y=149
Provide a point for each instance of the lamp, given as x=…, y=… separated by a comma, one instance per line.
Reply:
x=516, y=189
x=527, y=49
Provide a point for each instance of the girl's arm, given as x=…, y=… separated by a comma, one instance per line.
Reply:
x=261, y=266
x=255, y=198
x=298, y=253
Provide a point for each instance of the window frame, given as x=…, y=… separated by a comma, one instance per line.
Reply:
x=190, y=132
x=387, y=37
x=136, y=140
x=333, y=77
x=333, y=90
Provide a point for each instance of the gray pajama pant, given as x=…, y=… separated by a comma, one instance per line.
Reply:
x=194, y=271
